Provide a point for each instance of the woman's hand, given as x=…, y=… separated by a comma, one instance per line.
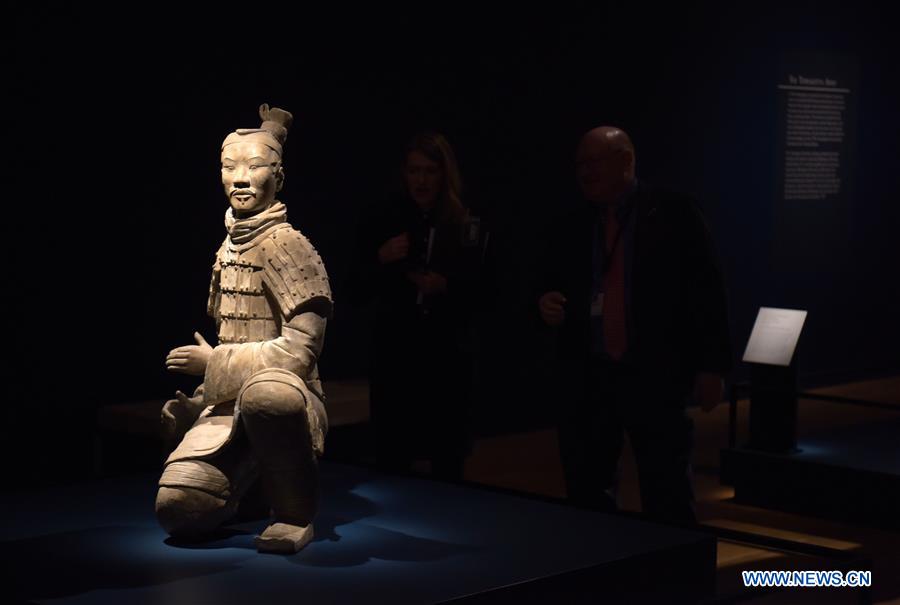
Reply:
x=394, y=249
x=428, y=282
x=552, y=308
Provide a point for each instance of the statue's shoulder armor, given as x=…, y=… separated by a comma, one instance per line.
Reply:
x=294, y=273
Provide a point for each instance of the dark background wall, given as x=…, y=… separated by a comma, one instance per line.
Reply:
x=116, y=209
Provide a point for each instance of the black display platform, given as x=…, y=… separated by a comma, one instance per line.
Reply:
x=379, y=539
x=850, y=474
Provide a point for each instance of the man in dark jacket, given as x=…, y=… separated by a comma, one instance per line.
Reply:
x=635, y=291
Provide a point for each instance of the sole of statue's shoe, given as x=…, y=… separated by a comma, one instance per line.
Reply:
x=284, y=539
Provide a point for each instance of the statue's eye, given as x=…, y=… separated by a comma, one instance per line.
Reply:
x=228, y=168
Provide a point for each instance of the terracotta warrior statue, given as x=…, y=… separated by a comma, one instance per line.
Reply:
x=259, y=413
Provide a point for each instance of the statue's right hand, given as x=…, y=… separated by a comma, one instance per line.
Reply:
x=551, y=307
x=394, y=249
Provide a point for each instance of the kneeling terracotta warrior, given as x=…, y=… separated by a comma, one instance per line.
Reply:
x=259, y=412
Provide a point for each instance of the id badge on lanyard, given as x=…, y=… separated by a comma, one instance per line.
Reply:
x=597, y=305
x=599, y=277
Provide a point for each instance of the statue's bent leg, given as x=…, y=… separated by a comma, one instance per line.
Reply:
x=197, y=496
x=274, y=408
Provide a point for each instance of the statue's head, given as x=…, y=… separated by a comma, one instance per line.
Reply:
x=252, y=170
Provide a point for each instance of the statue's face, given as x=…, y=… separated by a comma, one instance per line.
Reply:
x=251, y=176
x=424, y=179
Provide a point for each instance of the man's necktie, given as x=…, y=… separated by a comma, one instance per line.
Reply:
x=614, y=335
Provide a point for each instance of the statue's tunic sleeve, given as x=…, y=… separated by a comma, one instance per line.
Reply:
x=296, y=286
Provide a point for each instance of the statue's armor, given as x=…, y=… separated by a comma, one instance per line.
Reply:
x=255, y=285
x=238, y=301
x=256, y=288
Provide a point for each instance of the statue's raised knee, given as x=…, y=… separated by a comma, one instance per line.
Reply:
x=272, y=392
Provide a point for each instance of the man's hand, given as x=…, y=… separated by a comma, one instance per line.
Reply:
x=428, y=282
x=179, y=414
x=551, y=307
x=709, y=389
x=394, y=249
x=190, y=359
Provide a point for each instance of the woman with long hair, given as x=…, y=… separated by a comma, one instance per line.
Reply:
x=412, y=261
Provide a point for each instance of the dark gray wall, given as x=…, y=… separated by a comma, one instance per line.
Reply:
x=117, y=120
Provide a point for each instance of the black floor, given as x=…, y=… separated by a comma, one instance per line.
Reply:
x=379, y=539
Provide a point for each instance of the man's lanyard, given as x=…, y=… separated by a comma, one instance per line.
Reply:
x=609, y=252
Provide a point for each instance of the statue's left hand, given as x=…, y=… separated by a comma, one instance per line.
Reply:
x=190, y=359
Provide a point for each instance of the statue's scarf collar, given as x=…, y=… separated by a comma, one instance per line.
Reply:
x=244, y=230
